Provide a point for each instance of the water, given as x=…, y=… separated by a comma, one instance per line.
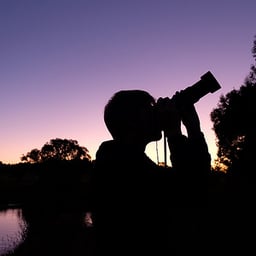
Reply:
x=12, y=229
x=36, y=232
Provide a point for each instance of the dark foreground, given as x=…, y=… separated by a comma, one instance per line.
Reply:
x=220, y=232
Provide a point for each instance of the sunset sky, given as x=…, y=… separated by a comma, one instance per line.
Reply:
x=61, y=60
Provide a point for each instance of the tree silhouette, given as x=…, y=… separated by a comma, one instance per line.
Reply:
x=33, y=156
x=234, y=124
x=57, y=149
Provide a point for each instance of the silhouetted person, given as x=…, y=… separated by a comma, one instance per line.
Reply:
x=140, y=207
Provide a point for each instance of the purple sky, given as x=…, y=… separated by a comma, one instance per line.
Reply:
x=61, y=60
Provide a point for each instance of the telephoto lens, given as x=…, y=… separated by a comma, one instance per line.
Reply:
x=192, y=94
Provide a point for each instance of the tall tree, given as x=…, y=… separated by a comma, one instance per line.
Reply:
x=234, y=125
x=57, y=149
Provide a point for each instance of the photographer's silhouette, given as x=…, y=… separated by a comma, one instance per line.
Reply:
x=140, y=207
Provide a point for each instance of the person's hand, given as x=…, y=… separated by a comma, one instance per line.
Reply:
x=188, y=113
x=168, y=117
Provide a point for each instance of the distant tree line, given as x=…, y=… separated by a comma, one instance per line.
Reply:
x=57, y=174
x=57, y=149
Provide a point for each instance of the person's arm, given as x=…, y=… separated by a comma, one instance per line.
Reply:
x=198, y=155
x=188, y=154
x=189, y=151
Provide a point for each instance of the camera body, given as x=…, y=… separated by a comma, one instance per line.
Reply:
x=192, y=94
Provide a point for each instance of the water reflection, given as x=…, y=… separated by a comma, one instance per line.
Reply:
x=88, y=219
x=39, y=230
x=12, y=229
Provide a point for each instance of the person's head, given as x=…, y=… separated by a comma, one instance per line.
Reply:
x=130, y=115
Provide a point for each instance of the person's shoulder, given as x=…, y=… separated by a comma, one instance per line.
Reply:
x=108, y=149
x=106, y=145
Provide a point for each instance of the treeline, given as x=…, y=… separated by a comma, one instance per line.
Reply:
x=67, y=183
x=64, y=183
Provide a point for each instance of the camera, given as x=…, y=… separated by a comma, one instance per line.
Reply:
x=192, y=94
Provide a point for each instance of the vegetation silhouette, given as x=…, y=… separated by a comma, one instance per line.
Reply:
x=57, y=149
x=235, y=128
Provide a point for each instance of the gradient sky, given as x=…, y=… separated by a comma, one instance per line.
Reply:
x=61, y=60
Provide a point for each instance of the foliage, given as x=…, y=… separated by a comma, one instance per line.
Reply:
x=234, y=123
x=57, y=149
